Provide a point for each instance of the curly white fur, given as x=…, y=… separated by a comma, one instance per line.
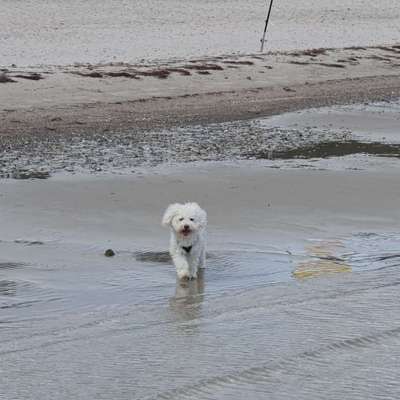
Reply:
x=187, y=223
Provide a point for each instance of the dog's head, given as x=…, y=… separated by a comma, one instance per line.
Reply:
x=185, y=219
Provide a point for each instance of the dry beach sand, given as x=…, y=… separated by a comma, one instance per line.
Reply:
x=57, y=32
x=116, y=97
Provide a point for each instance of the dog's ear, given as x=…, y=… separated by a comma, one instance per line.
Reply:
x=203, y=218
x=170, y=213
x=201, y=214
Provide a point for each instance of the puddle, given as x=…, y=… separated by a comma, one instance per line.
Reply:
x=333, y=149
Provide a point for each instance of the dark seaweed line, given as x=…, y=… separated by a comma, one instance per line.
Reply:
x=377, y=258
x=256, y=374
x=333, y=149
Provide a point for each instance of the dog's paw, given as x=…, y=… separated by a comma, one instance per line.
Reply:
x=193, y=275
x=186, y=276
x=183, y=275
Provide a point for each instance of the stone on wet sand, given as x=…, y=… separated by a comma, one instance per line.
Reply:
x=109, y=253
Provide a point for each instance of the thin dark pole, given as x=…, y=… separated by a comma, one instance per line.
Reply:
x=266, y=25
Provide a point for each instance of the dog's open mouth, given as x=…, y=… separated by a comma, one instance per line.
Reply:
x=186, y=231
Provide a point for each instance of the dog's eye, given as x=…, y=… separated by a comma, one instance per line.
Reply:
x=181, y=219
x=192, y=219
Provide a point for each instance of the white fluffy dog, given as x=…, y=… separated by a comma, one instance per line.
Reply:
x=188, y=238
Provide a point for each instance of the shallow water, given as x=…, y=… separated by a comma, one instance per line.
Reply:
x=300, y=294
x=124, y=329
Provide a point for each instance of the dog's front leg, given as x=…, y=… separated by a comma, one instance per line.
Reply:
x=182, y=266
x=193, y=269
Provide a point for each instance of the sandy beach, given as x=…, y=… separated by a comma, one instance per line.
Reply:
x=108, y=98
x=110, y=111
x=43, y=32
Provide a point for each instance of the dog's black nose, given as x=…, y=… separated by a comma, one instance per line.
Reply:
x=186, y=226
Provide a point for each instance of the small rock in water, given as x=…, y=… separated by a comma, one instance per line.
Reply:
x=109, y=253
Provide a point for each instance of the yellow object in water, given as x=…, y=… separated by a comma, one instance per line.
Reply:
x=323, y=262
x=317, y=268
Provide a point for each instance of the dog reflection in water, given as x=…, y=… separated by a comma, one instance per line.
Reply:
x=189, y=295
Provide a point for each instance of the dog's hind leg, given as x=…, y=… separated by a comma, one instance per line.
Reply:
x=202, y=259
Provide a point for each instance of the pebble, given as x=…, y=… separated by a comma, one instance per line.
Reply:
x=109, y=253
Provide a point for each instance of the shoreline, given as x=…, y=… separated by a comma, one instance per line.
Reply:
x=85, y=99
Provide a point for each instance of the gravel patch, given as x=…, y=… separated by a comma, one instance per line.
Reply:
x=41, y=156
